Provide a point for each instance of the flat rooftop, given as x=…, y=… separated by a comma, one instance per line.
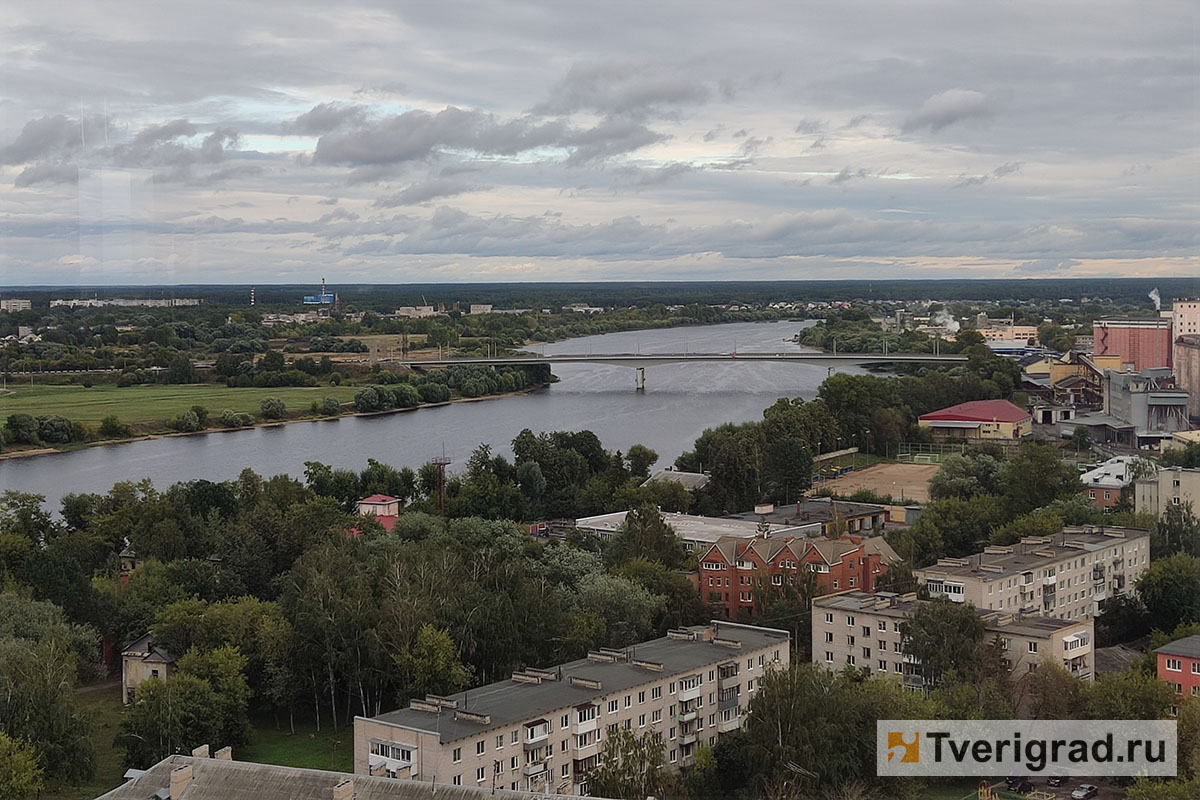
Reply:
x=816, y=509
x=1031, y=553
x=889, y=604
x=1188, y=647
x=506, y=703
x=690, y=528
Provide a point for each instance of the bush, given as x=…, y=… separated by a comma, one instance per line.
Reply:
x=21, y=429
x=111, y=427
x=55, y=430
x=231, y=419
x=335, y=378
x=128, y=379
x=366, y=399
x=433, y=393
x=272, y=408
x=187, y=422
x=332, y=407
x=406, y=396
x=201, y=414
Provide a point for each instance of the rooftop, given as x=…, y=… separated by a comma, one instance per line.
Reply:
x=980, y=411
x=545, y=692
x=688, y=480
x=1112, y=474
x=1188, y=647
x=814, y=509
x=378, y=499
x=219, y=779
x=690, y=528
x=900, y=606
x=1031, y=553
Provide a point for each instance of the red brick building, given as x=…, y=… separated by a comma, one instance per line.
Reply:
x=1142, y=342
x=1179, y=666
x=729, y=571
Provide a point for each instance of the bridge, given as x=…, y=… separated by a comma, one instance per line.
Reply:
x=639, y=362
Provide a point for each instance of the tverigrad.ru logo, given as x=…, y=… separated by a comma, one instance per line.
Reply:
x=1061, y=747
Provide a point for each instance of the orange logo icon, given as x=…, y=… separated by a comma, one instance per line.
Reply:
x=912, y=750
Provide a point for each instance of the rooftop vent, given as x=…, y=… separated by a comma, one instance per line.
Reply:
x=521, y=677
x=438, y=700
x=732, y=644
x=586, y=683
x=470, y=716
x=681, y=634
x=655, y=666
x=602, y=657
x=544, y=674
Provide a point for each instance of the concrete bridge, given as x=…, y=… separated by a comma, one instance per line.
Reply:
x=638, y=362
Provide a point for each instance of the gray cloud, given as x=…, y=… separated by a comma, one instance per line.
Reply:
x=425, y=191
x=326, y=117
x=1005, y=169
x=47, y=172
x=947, y=108
x=46, y=136
x=622, y=88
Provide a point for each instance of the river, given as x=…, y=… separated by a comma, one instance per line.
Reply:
x=679, y=402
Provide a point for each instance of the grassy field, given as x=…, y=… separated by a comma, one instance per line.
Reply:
x=104, y=707
x=151, y=405
x=306, y=748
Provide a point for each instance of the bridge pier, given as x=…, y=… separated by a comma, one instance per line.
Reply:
x=639, y=380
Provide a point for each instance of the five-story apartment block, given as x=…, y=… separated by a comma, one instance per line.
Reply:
x=1070, y=575
x=544, y=729
x=864, y=630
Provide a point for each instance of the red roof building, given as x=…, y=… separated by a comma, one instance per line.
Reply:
x=979, y=419
x=733, y=570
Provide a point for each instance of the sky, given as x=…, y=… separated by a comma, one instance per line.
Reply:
x=242, y=142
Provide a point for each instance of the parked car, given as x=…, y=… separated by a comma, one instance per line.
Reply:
x=1022, y=786
x=1013, y=780
x=1084, y=792
x=1056, y=780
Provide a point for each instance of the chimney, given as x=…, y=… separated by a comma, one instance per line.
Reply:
x=224, y=754
x=200, y=752
x=181, y=778
x=344, y=790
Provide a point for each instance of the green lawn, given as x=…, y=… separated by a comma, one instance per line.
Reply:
x=104, y=707
x=306, y=748
x=150, y=405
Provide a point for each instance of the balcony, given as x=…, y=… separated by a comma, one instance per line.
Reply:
x=731, y=701
x=726, y=725
x=587, y=750
x=686, y=717
x=691, y=737
x=1098, y=574
x=585, y=726
x=693, y=691
x=536, y=736
x=1050, y=580
x=727, y=673
x=1027, y=579
x=914, y=681
x=535, y=768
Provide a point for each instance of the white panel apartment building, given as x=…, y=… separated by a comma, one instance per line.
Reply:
x=862, y=630
x=1069, y=575
x=544, y=729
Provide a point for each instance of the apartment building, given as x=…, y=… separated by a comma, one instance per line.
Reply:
x=1103, y=485
x=731, y=570
x=1069, y=575
x=544, y=729
x=13, y=305
x=1178, y=663
x=1172, y=486
x=860, y=629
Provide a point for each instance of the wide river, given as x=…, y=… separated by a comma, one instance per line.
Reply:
x=679, y=402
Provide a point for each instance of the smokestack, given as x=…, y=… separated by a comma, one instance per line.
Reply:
x=181, y=778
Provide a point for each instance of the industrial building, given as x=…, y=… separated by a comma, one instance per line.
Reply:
x=544, y=729
x=1141, y=342
x=697, y=533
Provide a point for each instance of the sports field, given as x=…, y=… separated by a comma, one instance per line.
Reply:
x=152, y=405
x=909, y=482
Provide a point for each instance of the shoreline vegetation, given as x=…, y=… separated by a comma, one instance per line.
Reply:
x=265, y=423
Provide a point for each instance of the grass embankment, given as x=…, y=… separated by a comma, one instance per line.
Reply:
x=149, y=407
x=306, y=748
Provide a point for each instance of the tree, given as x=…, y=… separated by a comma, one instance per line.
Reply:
x=171, y=716
x=1132, y=694
x=1176, y=531
x=966, y=476
x=645, y=534
x=1170, y=590
x=1027, y=525
x=942, y=636
x=180, y=370
x=1081, y=438
x=953, y=527
x=1124, y=618
x=431, y=665
x=331, y=407
x=1036, y=477
x=1052, y=692
x=111, y=427
x=223, y=669
x=21, y=429
x=271, y=361
x=640, y=459
x=20, y=774
x=272, y=408
x=632, y=766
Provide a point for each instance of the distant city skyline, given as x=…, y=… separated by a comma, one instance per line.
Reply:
x=530, y=141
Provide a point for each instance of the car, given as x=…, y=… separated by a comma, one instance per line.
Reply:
x=1084, y=792
x=1056, y=780
x=1013, y=780
x=1022, y=786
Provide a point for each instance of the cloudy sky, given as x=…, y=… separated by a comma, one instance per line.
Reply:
x=383, y=141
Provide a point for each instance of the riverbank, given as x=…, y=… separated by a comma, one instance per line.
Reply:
x=273, y=423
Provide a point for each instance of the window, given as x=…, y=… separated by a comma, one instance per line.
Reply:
x=512, y=764
x=457, y=780
x=613, y=705
x=1033, y=647
x=515, y=737
x=828, y=636
x=828, y=657
x=566, y=720
x=852, y=583
x=628, y=700
x=1174, y=665
x=883, y=666
x=883, y=624
x=828, y=618
x=867, y=630
x=500, y=741
x=480, y=747
x=641, y=697
x=656, y=715
x=457, y=754
x=566, y=770
x=641, y=720
x=850, y=621
x=835, y=583
x=750, y=685
x=656, y=693
x=850, y=660
x=671, y=688
x=1196, y=667
x=480, y=775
